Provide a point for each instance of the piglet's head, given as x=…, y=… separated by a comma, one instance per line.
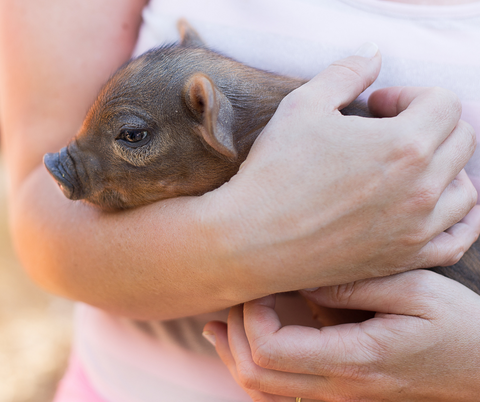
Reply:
x=160, y=128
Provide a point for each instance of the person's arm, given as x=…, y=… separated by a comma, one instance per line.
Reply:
x=192, y=255
x=422, y=345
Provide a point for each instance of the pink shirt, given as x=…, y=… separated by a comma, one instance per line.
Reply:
x=421, y=46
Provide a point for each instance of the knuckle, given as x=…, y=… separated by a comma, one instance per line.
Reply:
x=424, y=286
x=428, y=196
x=262, y=355
x=415, y=240
x=454, y=254
x=449, y=104
x=343, y=293
x=349, y=70
x=424, y=200
x=247, y=375
x=469, y=138
x=415, y=152
x=474, y=235
x=469, y=133
x=467, y=193
x=423, y=280
x=472, y=196
x=425, y=291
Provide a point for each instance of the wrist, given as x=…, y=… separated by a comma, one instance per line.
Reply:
x=237, y=233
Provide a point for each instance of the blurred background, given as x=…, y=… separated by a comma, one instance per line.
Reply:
x=35, y=328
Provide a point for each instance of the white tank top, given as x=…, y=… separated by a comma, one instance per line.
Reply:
x=128, y=361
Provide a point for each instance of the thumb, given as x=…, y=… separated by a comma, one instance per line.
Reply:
x=343, y=81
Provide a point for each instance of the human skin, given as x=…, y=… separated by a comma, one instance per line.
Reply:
x=422, y=345
x=265, y=231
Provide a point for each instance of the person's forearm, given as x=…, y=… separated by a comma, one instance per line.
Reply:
x=160, y=261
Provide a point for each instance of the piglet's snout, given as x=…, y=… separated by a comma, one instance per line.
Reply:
x=62, y=168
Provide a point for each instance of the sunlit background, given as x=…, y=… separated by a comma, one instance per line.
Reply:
x=35, y=328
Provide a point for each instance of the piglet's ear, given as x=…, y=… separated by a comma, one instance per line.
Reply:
x=188, y=36
x=214, y=112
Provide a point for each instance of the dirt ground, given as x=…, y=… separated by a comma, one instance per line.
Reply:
x=35, y=328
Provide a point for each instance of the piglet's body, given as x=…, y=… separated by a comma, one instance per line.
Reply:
x=179, y=120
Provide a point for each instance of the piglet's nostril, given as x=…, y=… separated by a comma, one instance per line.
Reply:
x=62, y=169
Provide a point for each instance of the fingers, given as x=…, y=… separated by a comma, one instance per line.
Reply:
x=453, y=154
x=448, y=247
x=251, y=374
x=218, y=330
x=396, y=294
x=442, y=146
x=261, y=385
x=432, y=115
x=265, y=307
x=432, y=112
x=216, y=333
x=296, y=349
x=455, y=202
x=385, y=102
x=343, y=81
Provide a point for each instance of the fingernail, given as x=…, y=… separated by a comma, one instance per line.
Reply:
x=311, y=289
x=367, y=50
x=210, y=337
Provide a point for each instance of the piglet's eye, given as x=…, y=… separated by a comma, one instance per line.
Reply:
x=134, y=137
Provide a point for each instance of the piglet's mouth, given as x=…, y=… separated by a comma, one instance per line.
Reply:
x=62, y=168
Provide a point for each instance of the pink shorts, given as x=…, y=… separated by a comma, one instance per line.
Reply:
x=75, y=386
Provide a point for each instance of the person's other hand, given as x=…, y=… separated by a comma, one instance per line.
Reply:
x=422, y=345
x=327, y=199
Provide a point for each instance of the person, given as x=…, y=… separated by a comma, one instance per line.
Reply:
x=309, y=207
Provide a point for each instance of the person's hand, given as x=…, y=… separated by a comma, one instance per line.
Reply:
x=422, y=345
x=328, y=199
